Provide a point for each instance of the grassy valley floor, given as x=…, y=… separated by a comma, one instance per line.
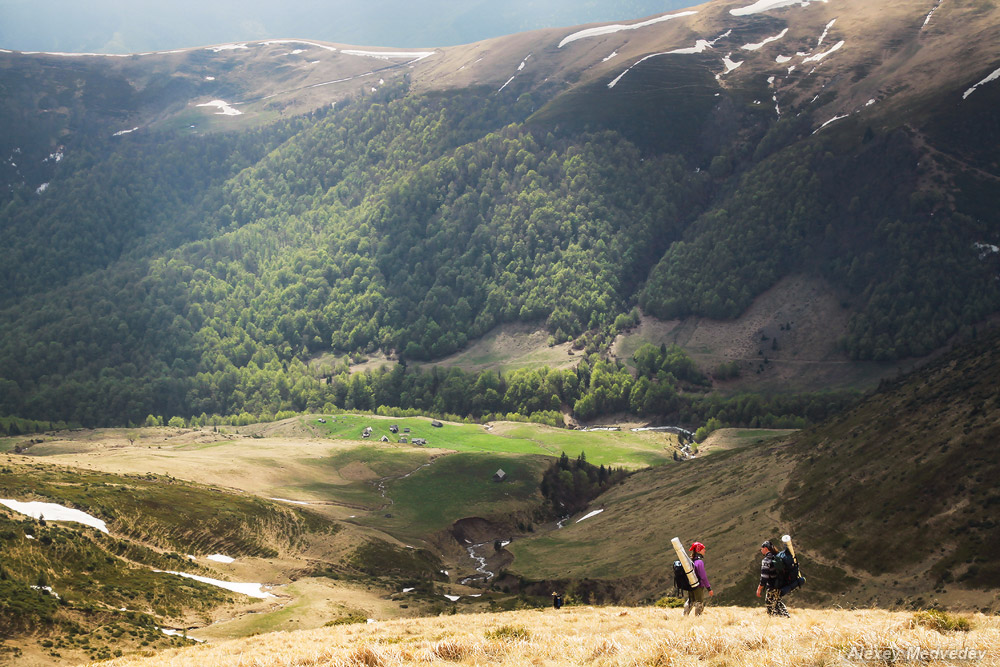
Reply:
x=730, y=636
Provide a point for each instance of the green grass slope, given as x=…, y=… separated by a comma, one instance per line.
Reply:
x=71, y=592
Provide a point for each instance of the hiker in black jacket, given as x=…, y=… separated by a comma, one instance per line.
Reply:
x=769, y=581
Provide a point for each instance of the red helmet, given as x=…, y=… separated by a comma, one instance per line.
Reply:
x=698, y=547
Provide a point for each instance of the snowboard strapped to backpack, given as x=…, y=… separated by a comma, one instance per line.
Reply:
x=681, y=578
x=786, y=569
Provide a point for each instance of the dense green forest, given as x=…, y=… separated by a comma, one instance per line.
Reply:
x=172, y=276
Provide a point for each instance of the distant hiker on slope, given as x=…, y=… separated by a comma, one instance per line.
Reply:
x=696, y=597
x=770, y=581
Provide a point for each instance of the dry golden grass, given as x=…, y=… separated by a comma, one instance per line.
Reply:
x=604, y=636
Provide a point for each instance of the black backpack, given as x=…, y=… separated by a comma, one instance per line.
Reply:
x=681, y=578
x=786, y=570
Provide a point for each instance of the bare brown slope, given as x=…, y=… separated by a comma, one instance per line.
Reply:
x=891, y=53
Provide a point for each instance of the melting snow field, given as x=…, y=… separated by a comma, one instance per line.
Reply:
x=617, y=27
x=297, y=41
x=986, y=249
x=293, y=502
x=179, y=633
x=587, y=516
x=819, y=56
x=768, y=40
x=252, y=590
x=767, y=5
x=992, y=77
x=54, y=512
x=219, y=558
x=224, y=108
x=386, y=55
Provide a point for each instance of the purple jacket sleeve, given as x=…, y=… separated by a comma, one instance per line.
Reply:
x=699, y=569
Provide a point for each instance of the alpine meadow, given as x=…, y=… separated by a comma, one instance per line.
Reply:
x=318, y=353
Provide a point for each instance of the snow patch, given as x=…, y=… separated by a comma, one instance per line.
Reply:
x=930, y=14
x=607, y=58
x=730, y=65
x=409, y=590
x=826, y=31
x=453, y=598
x=41, y=188
x=992, y=77
x=293, y=502
x=170, y=632
x=219, y=558
x=820, y=56
x=223, y=108
x=760, y=45
x=835, y=118
x=388, y=55
x=54, y=512
x=120, y=133
x=226, y=47
x=767, y=5
x=986, y=249
x=617, y=27
x=781, y=60
x=54, y=157
x=699, y=46
x=297, y=41
x=251, y=590
x=587, y=516
x=47, y=589
x=209, y=78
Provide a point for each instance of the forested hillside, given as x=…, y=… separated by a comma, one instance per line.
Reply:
x=171, y=274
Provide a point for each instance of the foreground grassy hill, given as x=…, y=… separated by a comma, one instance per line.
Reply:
x=607, y=636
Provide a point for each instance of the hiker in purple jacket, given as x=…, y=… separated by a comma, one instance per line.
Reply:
x=696, y=598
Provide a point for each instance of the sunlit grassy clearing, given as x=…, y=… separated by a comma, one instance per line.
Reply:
x=619, y=448
x=457, y=486
x=731, y=636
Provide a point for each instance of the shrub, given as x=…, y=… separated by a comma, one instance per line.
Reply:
x=509, y=632
x=350, y=619
x=669, y=602
x=941, y=621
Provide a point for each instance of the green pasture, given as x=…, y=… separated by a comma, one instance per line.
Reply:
x=610, y=448
x=385, y=462
x=458, y=486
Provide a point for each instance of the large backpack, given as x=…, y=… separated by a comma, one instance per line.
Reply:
x=786, y=571
x=680, y=577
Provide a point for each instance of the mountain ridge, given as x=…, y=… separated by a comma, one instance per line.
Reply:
x=678, y=189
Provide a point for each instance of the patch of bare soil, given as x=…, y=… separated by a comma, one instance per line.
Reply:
x=357, y=471
x=512, y=346
x=787, y=339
